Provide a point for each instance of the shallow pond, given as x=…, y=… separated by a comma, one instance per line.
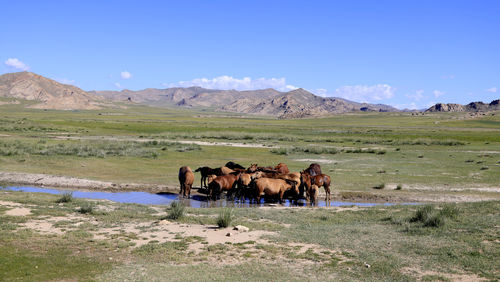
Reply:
x=196, y=201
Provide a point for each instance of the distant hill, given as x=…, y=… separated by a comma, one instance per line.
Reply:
x=471, y=107
x=48, y=94
x=293, y=104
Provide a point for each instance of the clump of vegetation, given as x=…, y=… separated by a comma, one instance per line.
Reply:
x=189, y=147
x=307, y=150
x=85, y=149
x=428, y=216
x=380, y=186
x=225, y=217
x=364, y=151
x=176, y=210
x=399, y=187
x=450, y=211
x=86, y=208
x=66, y=197
x=485, y=168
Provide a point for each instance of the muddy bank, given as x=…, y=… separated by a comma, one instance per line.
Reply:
x=47, y=180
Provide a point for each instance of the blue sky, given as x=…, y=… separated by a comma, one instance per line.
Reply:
x=404, y=53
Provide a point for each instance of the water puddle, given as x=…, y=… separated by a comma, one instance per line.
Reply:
x=196, y=201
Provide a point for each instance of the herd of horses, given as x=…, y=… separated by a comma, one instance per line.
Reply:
x=255, y=181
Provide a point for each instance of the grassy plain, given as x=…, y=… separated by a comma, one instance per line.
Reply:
x=59, y=241
x=438, y=152
x=431, y=157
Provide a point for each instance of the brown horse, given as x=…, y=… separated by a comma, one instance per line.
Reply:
x=206, y=171
x=282, y=168
x=186, y=179
x=312, y=194
x=252, y=168
x=273, y=187
x=234, y=166
x=313, y=169
x=323, y=180
x=305, y=183
x=294, y=176
x=222, y=183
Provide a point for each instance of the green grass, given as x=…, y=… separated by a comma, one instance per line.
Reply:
x=145, y=147
x=225, y=217
x=176, y=210
x=343, y=241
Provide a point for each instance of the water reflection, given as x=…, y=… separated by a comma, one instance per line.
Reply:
x=196, y=201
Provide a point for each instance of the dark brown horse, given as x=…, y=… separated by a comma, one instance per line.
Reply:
x=222, y=183
x=313, y=169
x=206, y=171
x=322, y=180
x=305, y=183
x=235, y=166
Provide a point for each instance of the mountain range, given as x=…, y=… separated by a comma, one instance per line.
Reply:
x=46, y=93
x=293, y=104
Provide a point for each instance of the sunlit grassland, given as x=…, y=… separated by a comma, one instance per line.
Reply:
x=429, y=150
x=385, y=238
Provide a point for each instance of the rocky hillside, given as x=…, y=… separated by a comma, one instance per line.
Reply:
x=471, y=107
x=47, y=93
x=186, y=97
x=293, y=104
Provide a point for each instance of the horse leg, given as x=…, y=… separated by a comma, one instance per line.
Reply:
x=281, y=196
x=327, y=190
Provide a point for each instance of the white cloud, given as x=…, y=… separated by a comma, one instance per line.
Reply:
x=227, y=82
x=365, y=93
x=118, y=85
x=15, y=63
x=438, y=93
x=125, y=74
x=410, y=106
x=417, y=96
x=492, y=90
x=321, y=92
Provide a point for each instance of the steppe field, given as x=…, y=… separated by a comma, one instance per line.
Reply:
x=441, y=170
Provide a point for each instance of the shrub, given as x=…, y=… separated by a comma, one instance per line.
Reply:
x=86, y=208
x=225, y=217
x=380, y=186
x=422, y=213
x=66, y=197
x=430, y=217
x=399, y=187
x=176, y=210
x=435, y=220
x=279, y=151
x=450, y=211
